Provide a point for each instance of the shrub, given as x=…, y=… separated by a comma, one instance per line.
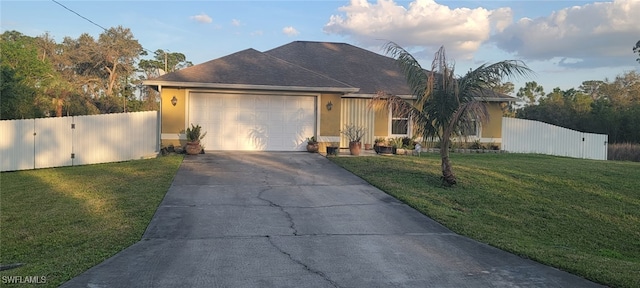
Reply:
x=624, y=152
x=380, y=141
x=353, y=132
x=476, y=145
x=406, y=141
x=193, y=133
x=395, y=142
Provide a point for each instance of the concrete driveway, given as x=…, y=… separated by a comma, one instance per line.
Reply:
x=239, y=219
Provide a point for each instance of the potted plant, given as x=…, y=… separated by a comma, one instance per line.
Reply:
x=396, y=144
x=381, y=146
x=312, y=145
x=355, y=134
x=332, y=149
x=377, y=143
x=194, y=136
x=367, y=146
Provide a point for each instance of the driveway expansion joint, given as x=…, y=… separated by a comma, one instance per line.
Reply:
x=334, y=205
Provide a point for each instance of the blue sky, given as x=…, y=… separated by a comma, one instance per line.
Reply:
x=564, y=42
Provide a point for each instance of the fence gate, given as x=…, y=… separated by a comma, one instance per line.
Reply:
x=77, y=140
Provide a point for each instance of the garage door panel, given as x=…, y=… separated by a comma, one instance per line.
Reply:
x=258, y=138
x=253, y=122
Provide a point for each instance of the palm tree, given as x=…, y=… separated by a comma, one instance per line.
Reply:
x=445, y=104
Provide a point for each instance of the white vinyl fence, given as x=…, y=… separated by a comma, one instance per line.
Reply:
x=527, y=136
x=77, y=140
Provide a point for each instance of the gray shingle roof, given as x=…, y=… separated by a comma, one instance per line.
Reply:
x=339, y=66
x=251, y=67
x=369, y=71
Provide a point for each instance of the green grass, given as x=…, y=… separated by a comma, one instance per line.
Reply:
x=582, y=216
x=60, y=222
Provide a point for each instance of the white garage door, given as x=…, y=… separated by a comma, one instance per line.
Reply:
x=253, y=122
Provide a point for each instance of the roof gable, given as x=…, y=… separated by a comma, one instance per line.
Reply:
x=369, y=71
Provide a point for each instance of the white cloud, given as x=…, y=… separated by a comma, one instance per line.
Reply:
x=235, y=22
x=290, y=31
x=423, y=23
x=202, y=18
x=594, y=35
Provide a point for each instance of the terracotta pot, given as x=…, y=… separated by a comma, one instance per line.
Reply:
x=354, y=148
x=193, y=148
x=312, y=148
x=367, y=147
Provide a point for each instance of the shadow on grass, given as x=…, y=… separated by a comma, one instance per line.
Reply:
x=62, y=221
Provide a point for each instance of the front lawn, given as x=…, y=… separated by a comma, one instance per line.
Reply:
x=60, y=222
x=582, y=216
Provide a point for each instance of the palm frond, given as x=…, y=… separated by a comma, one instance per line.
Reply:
x=463, y=118
x=410, y=67
x=423, y=123
x=479, y=82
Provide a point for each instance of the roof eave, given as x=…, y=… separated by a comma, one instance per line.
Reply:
x=409, y=97
x=496, y=99
x=249, y=86
x=371, y=95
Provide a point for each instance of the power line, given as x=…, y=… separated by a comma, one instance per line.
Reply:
x=74, y=12
x=94, y=23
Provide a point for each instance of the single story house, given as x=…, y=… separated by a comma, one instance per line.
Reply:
x=274, y=100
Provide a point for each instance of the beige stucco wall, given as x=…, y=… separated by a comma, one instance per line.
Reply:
x=381, y=123
x=330, y=120
x=493, y=129
x=173, y=117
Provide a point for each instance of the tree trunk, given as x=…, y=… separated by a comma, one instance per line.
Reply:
x=59, y=108
x=448, y=178
x=113, y=76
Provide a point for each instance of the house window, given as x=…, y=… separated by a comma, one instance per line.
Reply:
x=472, y=130
x=399, y=123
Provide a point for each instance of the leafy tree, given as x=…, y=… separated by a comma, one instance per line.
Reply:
x=566, y=108
x=504, y=88
x=17, y=99
x=94, y=69
x=73, y=77
x=592, y=88
x=624, y=90
x=161, y=63
x=47, y=47
x=117, y=54
x=613, y=110
x=507, y=88
x=445, y=104
x=19, y=55
x=530, y=93
x=59, y=91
